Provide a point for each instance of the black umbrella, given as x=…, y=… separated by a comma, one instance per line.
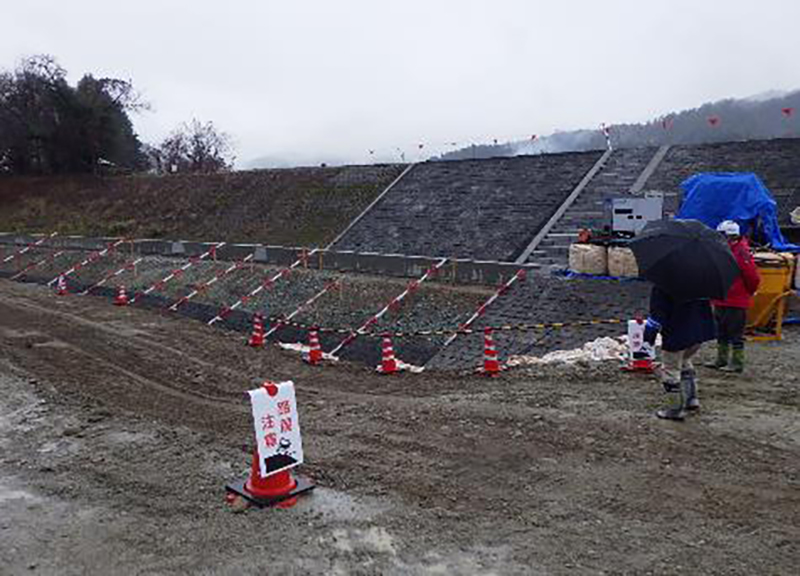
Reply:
x=686, y=259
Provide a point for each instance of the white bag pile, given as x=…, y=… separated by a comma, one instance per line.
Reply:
x=588, y=259
x=622, y=263
x=599, y=350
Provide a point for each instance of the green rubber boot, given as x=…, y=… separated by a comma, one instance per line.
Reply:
x=723, y=351
x=737, y=362
x=674, y=407
x=689, y=383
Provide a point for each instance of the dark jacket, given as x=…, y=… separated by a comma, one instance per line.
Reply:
x=682, y=324
x=741, y=292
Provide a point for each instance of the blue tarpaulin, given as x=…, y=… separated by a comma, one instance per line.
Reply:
x=739, y=196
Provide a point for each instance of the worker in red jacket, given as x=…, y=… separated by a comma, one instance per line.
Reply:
x=731, y=313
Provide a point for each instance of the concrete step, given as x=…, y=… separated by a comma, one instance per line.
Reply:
x=558, y=249
x=583, y=214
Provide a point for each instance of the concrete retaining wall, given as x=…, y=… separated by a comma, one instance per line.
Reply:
x=395, y=265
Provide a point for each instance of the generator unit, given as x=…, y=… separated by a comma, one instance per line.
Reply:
x=630, y=215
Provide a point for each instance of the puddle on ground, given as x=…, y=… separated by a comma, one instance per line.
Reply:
x=335, y=505
x=126, y=437
x=52, y=344
x=12, y=333
x=8, y=494
x=374, y=539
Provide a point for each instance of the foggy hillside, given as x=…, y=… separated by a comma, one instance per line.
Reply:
x=769, y=115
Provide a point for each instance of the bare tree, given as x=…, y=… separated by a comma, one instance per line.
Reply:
x=196, y=147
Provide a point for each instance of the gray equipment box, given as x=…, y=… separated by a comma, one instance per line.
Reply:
x=630, y=215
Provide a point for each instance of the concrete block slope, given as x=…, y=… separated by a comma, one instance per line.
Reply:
x=615, y=179
x=777, y=163
x=546, y=299
x=479, y=209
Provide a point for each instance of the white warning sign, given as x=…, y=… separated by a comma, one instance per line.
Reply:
x=635, y=336
x=277, y=427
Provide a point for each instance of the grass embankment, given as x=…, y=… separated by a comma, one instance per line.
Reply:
x=295, y=207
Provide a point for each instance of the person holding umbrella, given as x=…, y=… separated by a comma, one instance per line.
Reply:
x=684, y=327
x=731, y=312
x=689, y=264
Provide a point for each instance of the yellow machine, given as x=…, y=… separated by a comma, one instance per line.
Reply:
x=765, y=318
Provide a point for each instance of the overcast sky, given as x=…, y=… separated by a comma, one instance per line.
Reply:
x=309, y=80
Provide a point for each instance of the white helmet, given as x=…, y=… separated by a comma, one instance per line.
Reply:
x=729, y=228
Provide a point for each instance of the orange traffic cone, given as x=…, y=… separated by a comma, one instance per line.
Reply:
x=314, y=355
x=388, y=361
x=491, y=365
x=61, y=287
x=257, y=337
x=121, y=299
x=272, y=486
x=281, y=488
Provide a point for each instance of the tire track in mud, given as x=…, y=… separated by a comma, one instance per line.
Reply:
x=128, y=353
x=50, y=342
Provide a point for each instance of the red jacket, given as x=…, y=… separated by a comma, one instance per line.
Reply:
x=741, y=292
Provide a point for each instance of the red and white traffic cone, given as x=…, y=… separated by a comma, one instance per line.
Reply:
x=121, y=299
x=280, y=489
x=314, y=355
x=273, y=486
x=388, y=362
x=491, y=365
x=61, y=287
x=257, y=337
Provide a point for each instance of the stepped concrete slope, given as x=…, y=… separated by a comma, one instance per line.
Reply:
x=776, y=162
x=543, y=299
x=290, y=207
x=615, y=179
x=480, y=209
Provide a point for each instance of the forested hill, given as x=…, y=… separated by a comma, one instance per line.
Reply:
x=761, y=117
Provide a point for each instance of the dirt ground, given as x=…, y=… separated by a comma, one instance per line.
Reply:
x=119, y=428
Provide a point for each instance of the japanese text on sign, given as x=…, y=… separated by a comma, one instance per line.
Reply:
x=277, y=427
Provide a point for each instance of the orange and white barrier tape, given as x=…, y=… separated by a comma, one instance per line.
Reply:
x=29, y=247
x=268, y=283
x=281, y=323
x=125, y=268
x=178, y=271
x=520, y=275
x=206, y=285
x=93, y=257
x=45, y=260
x=412, y=286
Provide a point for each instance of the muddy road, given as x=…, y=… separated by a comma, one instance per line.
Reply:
x=119, y=428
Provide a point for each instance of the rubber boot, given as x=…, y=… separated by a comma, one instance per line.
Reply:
x=723, y=351
x=674, y=407
x=689, y=384
x=737, y=361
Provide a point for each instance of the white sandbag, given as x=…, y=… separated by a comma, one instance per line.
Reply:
x=622, y=263
x=588, y=259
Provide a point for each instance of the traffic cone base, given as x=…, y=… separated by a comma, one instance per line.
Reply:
x=302, y=484
x=280, y=489
x=644, y=366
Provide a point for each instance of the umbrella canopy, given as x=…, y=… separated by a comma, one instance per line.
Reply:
x=686, y=259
